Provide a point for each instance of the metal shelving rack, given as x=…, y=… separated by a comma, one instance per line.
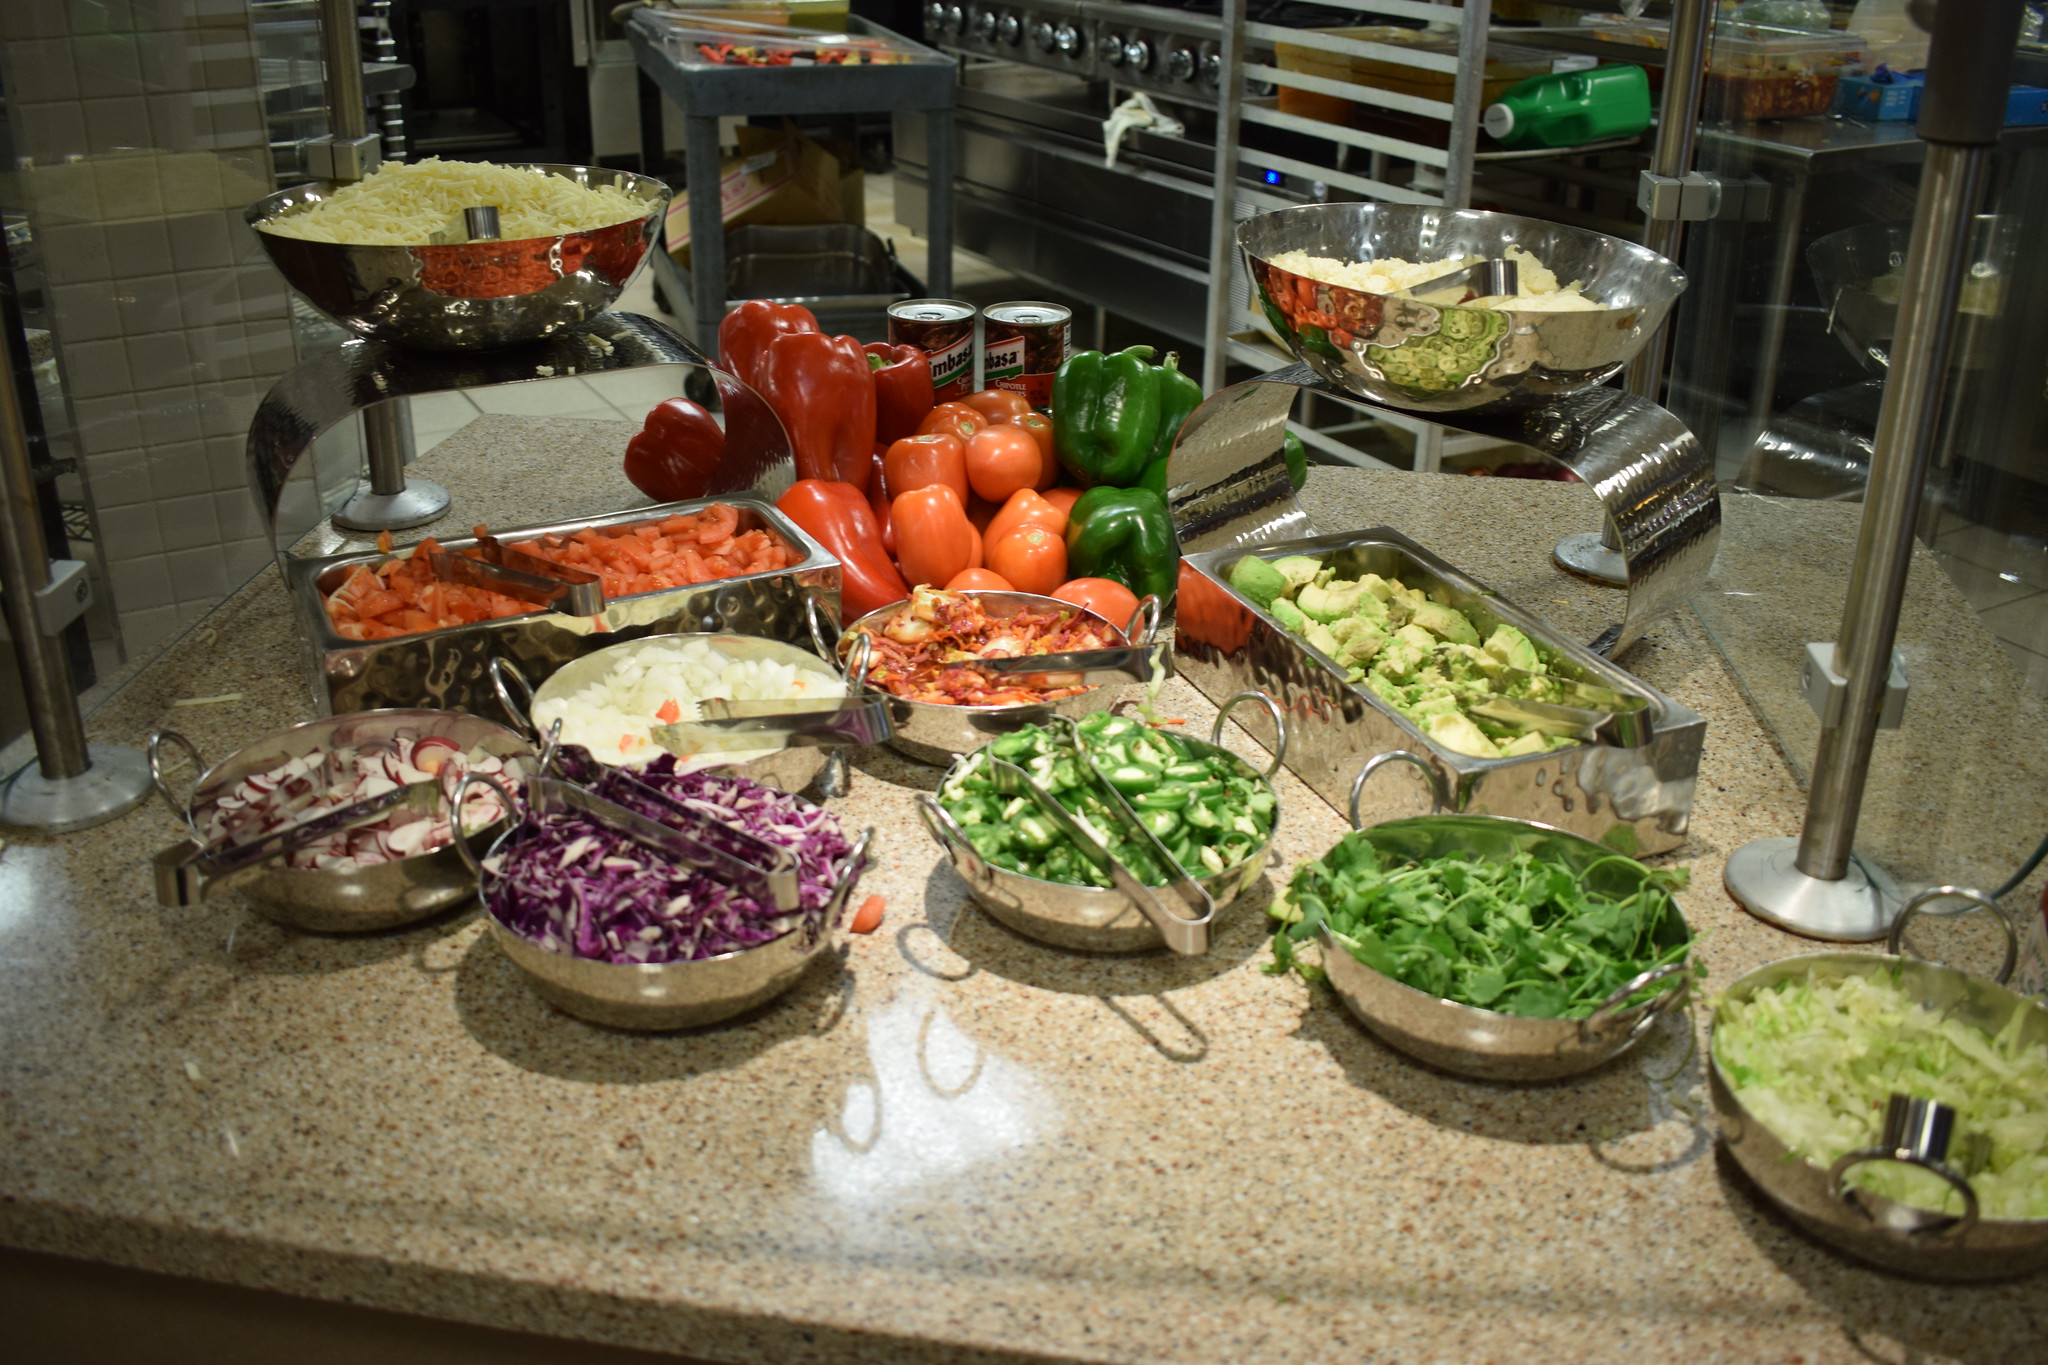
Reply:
x=1397, y=170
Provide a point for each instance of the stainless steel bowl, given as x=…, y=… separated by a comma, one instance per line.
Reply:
x=1407, y=354
x=656, y=996
x=792, y=769
x=1871, y=1228
x=362, y=899
x=1091, y=918
x=471, y=296
x=931, y=732
x=1485, y=1043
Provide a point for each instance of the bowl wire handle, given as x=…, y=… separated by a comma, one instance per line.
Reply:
x=504, y=673
x=460, y=836
x=1594, y=1024
x=817, y=622
x=850, y=869
x=182, y=809
x=859, y=658
x=1895, y=941
x=1275, y=710
x=1144, y=622
x=1916, y=1132
x=1439, y=799
x=946, y=831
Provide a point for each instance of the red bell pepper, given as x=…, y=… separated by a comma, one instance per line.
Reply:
x=821, y=388
x=745, y=332
x=903, y=388
x=837, y=516
x=676, y=453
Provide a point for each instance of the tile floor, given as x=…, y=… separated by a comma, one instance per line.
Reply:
x=2004, y=577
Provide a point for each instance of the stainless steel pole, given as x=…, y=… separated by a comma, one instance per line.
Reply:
x=72, y=785
x=1678, y=121
x=1814, y=885
x=388, y=502
x=1218, y=323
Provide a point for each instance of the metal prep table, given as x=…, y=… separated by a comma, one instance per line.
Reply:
x=705, y=93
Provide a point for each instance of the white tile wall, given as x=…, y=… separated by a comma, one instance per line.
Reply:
x=141, y=138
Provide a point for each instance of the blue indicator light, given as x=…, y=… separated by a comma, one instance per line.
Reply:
x=1272, y=177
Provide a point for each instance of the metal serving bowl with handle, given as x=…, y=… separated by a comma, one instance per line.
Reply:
x=356, y=900
x=1091, y=918
x=935, y=732
x=658, y=996
x=1399, y=351
x=793, y=768
x=472, y=295
x=1488, y=1044
x=1901, y=1237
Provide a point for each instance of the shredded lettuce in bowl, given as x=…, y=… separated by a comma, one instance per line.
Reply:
x=1815, y=1060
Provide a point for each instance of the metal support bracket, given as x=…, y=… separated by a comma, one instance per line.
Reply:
x=334, y=158
x=1824, y=688
x=1689, y=198
x=65, y=597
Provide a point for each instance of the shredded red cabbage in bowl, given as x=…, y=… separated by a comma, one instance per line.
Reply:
x=574, y=886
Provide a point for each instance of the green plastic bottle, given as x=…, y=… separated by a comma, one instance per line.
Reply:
x=1571, y=108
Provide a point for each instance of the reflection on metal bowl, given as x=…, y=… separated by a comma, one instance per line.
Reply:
x=1407, y=354
x=1486, y=1043
x=474, y=295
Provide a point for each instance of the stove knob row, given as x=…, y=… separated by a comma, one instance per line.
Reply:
x=1138, y=55
x=1010, y=30
x=1180, y=64
x=1068, y=39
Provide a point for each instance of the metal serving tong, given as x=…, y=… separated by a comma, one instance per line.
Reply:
x=759, y=869
x=728, y=725
x=1579, y=710
x=1186, y=929
x=1486, y=278
x=1122, y=664
x=189, y=872
x=529, y=578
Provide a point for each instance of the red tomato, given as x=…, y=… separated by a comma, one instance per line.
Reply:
x=1062, y=498
x=1106, y=597
x=921, y=461
x=1001, y=460
x=1040, y=427
x=1032, y=557
x=998, y=405
x=970, y=580
x=934, y=541
x=1025, y=508
x=955, y=419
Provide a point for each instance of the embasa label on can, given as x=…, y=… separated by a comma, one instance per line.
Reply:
x=952, y=365
x=1002, y=360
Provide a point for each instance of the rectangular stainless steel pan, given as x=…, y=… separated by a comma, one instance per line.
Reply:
x=448, y=669
x=1635, y=800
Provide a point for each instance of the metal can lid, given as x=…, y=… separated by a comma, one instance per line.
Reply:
x=932, y=310
x=1027, y=313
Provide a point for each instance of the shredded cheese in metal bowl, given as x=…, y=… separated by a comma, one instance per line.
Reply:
x=409, y=203
x=1537, y=289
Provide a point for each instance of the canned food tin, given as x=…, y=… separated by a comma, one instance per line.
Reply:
x=944, y=330
x=1022, y=347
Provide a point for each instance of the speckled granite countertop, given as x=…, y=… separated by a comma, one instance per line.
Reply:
x=960, y=1146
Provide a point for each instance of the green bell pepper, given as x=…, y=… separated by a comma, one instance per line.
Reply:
x=1105, y=415
x=1296, y=455
x=1179, y=395
x=1125, y=534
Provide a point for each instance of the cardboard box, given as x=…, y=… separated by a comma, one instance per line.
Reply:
x=779, y=176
